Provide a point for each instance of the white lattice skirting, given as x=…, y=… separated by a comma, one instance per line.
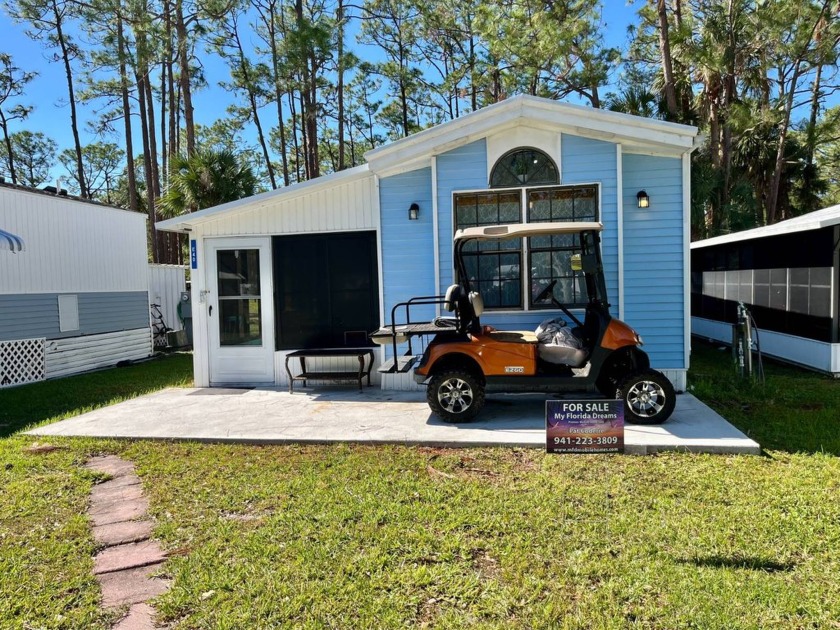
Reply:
x=22, y=361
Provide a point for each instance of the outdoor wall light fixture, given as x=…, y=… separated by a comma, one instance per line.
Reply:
x=643, y=199
x=413, y=212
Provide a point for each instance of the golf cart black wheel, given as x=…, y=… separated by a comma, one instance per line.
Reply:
x=649, y=397
x=456, y=395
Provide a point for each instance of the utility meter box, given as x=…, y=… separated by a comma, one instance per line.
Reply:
x=186, y=305
x=185, y=312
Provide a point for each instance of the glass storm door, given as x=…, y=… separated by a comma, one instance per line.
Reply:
x=240, y=312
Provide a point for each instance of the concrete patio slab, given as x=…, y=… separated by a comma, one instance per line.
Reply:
x=373, y=416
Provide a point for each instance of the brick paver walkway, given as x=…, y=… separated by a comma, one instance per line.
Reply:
x=129, y=558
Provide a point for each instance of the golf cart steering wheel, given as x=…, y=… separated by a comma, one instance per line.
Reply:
x=549, y=291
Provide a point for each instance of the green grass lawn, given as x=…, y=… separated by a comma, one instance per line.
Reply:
x=387, y=537
x=795, y=410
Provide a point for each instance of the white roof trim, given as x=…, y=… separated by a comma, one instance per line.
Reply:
x=811, y=221
x=185, y=222
x=575, y=119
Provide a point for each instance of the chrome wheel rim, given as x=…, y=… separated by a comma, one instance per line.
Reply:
x=646, y=398
x=455, y=395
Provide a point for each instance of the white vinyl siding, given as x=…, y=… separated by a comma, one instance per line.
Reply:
x=342, y=208
x=71, y=246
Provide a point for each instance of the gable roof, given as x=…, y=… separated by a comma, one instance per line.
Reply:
x=416, y=151
x=633, y=132
x=811, y=221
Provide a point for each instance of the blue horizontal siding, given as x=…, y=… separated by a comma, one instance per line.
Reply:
x=408, y=253
x=464, y=168
x=654, y=257
x=587, y=161
x=33, y=315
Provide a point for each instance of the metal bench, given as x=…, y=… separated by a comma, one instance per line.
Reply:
x=308, y=374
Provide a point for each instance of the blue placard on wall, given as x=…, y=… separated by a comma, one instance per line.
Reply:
x=193, y=255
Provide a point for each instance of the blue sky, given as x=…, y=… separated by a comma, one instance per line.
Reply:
x=48, y=91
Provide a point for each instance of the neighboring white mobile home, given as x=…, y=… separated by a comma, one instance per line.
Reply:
x=75, y=298
x=787, y=274
x=320, y=263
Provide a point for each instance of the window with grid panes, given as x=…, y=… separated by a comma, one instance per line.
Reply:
x=549, y=257
x=494, y=267
x=523, y=167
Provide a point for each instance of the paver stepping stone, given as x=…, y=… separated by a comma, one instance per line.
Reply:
x=111, y=465
x=132, y=586
x=128, y=556
x=129, y=559
x=115, y=512
x=122, y=532
x=140, y=617
x=107, y=493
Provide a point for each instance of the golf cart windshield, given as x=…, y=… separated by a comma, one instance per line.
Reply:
x=582, y=238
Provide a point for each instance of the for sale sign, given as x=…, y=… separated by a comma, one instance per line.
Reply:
x=584, y=426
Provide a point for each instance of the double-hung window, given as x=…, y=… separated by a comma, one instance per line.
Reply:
x=505, y=271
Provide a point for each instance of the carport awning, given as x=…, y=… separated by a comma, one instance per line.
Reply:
x=11, y=242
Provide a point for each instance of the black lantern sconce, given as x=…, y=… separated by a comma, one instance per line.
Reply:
x=643, y=199
x=413, y=212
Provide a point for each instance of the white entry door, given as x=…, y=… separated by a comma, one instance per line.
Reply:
x=240, y=311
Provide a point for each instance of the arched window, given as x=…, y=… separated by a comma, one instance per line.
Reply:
x=523, y=167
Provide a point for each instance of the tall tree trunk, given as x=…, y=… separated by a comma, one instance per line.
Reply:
x=340, y=87
x=252, y=100
x=271, y=25
x=126, y=103
x=74, y=125
x=295, y=140
x=312, y=120
x=473, y=86
x=150, y=104
x=172, y=91
x=304, y=132
x=779, y=165
x=308, y=96
x=147, y=163
x=667, y=62
x=184, y=65
x=164, y=151
x=8, y=142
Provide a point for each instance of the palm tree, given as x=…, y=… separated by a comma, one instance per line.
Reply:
x=205, y=179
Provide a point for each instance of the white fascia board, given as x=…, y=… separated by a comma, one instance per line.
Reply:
x=816, y=220
x=185, y=223
x=443, y=138
x=604, y=119
x=641, y=133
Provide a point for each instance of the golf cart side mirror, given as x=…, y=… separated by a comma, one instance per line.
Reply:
x=576, y=262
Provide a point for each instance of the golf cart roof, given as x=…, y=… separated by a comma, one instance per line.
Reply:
x=519, y=230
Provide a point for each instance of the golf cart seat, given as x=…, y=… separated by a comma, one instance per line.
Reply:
x=562, y=355
x=561, y=344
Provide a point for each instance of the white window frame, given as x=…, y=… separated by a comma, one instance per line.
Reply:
x=523, y=205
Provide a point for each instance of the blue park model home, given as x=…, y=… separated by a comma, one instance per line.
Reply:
x=320, y=264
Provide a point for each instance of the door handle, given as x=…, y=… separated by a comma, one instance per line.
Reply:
x=211, y=310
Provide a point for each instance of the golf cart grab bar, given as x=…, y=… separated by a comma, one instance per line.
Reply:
x=423, y=300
